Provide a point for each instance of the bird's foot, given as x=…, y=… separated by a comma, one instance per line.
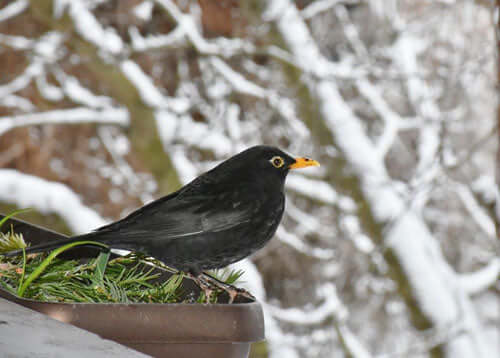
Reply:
x=204, y=285
x=209, y=285
x=231, y=290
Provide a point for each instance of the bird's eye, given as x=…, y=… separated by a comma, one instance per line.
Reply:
x=277, y=162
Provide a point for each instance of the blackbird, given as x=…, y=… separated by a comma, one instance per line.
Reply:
x=221, y=217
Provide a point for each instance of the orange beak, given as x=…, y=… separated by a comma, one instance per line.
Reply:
x=303, y=162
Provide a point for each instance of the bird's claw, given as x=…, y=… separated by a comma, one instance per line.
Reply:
x=209, y=284
x=231, y=290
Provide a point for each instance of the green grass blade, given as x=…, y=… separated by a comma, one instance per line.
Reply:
x=100, y=267
x=39, y=270
x=7, y=217
x=24, y=268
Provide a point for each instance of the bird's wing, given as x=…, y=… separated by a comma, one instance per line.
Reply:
x=175, y=217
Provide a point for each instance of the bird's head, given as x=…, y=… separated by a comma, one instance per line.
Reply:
x=267, y=164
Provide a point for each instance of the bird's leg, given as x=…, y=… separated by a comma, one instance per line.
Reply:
x=208, y=284
x=231, y=290
x=204, y=285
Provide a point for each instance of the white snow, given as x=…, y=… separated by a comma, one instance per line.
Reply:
x=244, y=86
x=144, y=10
x=486, y=187
x=183, y=166
x=319, y=6
x=330, y=308
x=47, y=90
x=482, y=219
x=141, y=43
x=21, y=81
x=80, y=94
x=352, y=343
x=222, y=46
x=17, y=42
x=85, y=23
x=312, y=188
x=151, y=95
x=299, y=245
x=14, y=101
x=13, y=9
x=239, y=83
x=147, y=90
x=482, y=279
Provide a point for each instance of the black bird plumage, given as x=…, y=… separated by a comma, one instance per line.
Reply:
x=219, y=218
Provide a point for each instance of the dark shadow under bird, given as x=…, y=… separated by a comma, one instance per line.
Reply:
x=221, y=217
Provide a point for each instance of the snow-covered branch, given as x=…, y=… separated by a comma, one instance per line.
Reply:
x=117, y=116
x=482, y=219
x=21, y=81
x=148, y=91
x=74, y=90
x=299, y=245
x=312, y=188
x=242, y=85
x=13, y=9
x=318, y=6
x=17, y=42
x=221, y=47
x=89, y=28
x=391, y=119
x=152, y=42
x=482, y=279
x=330, y=308
x=13, y=101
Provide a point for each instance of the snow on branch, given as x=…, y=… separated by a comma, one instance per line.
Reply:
x=352, y=344
x=117, y=116
x=19, y=102
x=44, y=52
x=307, y=221
x=311, y=60
x=86, y=24
x=314, y=189
x=481, y=279
x=331, y=307
x=79, y=94
x=319, y=6
x=27, y=191
x=140, y=43
x=404, y=54
x=17, y=42
x=482, y=219
x=221, y=47
x=237, y=81
x=13, y=9
x=23, y=80
x=244, y=86
x=148, y=91
x=391, y=119
x=299, y=245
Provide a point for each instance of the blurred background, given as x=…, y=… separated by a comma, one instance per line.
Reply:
x=388, y=250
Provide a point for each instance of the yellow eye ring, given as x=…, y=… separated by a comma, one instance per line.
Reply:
x=277, y=161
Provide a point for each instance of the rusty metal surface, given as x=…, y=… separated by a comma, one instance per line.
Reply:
x=161, y=330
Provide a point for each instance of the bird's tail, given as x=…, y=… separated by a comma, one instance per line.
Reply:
x=51, y=245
